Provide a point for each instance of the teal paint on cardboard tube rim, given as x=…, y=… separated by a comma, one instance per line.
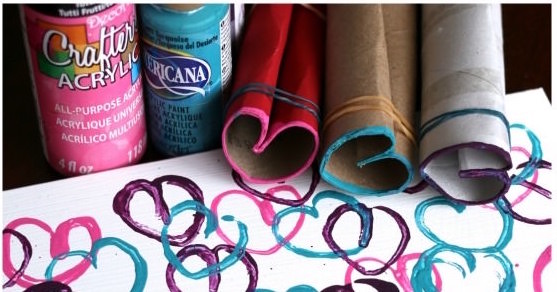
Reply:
x=388, y=157
x=188, y=64
x=368, y=132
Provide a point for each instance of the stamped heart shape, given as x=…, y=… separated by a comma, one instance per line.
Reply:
x=530, y=167
x=376, y=284
x=202, y=251
x=121, y=206
x=266, y=211
x=541, y=263
x=235, y=255
x=404, y=231
x=59, y=244
x=399, y=272
x=379, y=285
x=210, y=256
x=270, y=194
x=535, y=158
x=421, y=274
x=50, y=286
x=140, y=264
x=529, y=185
x=503, y=240
x=528, y=191
x=27, y=253
x=349, y=203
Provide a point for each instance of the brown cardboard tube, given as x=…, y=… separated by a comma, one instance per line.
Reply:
x=371, y=52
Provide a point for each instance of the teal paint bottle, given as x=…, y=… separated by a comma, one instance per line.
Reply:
x=187, y=66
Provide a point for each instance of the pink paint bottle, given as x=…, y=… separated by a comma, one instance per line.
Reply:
x=85, y=67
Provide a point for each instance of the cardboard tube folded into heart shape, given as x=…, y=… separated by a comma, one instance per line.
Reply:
x=464, y=135
x=370, y=100
x=272, y=118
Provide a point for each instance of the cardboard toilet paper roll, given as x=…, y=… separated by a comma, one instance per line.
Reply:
x=272, y=119
x=464, y=135
x=369, y=144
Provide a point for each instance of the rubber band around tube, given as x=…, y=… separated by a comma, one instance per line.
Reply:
x=278, y=94
x=436, y=121
x=372, y=102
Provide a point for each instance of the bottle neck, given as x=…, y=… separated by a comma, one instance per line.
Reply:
x=183, y=7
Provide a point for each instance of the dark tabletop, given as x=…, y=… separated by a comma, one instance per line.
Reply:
x=527, y=45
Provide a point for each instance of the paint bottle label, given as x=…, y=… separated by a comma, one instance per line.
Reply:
x=188, y=65
x=85, y=67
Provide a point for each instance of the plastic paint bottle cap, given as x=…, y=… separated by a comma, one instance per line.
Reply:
x=182, y=7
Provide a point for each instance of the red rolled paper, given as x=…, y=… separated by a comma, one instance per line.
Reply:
x=271, y=122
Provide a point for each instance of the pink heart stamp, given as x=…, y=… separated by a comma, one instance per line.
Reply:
x=267, y=214
x=59, y=244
